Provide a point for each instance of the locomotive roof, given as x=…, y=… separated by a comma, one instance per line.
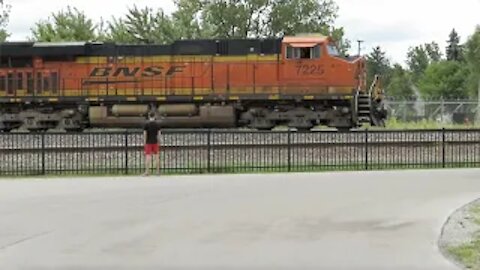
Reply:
x=306, y=39
x=180, y=47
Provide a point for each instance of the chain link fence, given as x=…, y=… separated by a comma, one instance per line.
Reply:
x=443, y=111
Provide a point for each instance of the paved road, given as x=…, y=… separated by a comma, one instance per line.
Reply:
x=373, y=220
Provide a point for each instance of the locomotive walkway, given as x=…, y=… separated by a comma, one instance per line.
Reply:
x=359, y=220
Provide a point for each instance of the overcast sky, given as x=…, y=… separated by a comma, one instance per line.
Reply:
x=393, y=24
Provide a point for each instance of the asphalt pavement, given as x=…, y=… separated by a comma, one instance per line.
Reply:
x=356, y=220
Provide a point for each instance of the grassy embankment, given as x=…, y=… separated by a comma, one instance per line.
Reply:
x=393, y=123
x=468, y=254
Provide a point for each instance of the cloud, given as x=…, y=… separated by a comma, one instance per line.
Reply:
x=369, y=31
x=398, y=25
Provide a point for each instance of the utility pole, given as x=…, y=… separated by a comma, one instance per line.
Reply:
x=360, y=46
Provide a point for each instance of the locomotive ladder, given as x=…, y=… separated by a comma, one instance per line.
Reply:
x=364, y=106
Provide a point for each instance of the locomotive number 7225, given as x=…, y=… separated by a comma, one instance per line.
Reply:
x=310, y=69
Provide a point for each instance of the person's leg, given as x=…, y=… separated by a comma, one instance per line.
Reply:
x=147, y=159
x=155, y=151
x=158, y=162
x=147, y=164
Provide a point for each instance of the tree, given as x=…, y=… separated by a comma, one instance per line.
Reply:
x=399, y=85
x=289, y=17
x=377, y=63
x=445, y=79
x=186, y=20
x=472, y=57
x=4, y=16
x=433, y=52
x=199, y=19
x=142, y=26
x=418, y=60
x=271, y=18
x=65, y=25
x=228, y=19
x=118, y=31
x=454, y=49
x=236, y=19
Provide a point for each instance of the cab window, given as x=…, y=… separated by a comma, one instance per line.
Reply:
x=332, y=50
x=303, y=52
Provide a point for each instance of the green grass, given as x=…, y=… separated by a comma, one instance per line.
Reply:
x=468, y=254
x=393, y=123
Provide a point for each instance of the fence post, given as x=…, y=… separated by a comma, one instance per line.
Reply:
x=443, y=147
x=126, y=152
x=208, y=150
x=366, y=149
x=43, y=153
x=289, y=150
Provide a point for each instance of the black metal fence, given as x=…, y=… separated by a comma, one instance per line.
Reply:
x=209, y=151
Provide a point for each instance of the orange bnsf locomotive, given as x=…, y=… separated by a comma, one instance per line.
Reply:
x=299, y=81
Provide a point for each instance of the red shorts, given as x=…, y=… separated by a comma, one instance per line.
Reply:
x=151, y=149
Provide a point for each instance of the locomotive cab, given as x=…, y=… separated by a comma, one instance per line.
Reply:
x=316, y=61
x=314, y=67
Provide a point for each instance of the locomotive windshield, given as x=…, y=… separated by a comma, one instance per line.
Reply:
x=333, y=50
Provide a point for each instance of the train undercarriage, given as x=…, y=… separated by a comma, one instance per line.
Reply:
x=343, y=114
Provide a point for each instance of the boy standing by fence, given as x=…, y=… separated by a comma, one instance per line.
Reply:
x=151, y=143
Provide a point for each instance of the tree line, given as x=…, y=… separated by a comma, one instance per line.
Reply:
x=194, y=19
x=431, y=72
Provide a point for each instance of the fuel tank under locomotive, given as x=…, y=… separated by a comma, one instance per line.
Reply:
x=168, y=116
